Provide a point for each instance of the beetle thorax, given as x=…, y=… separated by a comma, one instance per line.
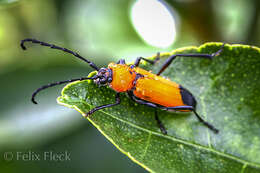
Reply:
x=123, y=77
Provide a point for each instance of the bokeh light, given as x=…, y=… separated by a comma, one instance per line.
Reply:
x=154, y=22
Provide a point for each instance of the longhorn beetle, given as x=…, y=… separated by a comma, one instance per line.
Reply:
x=142, y=86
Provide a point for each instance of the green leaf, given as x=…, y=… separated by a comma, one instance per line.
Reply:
x=7, y=1
x=227, y=90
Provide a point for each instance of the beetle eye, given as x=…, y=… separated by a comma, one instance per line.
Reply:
x=102, y=70
x=109, y=80
x=103, y=80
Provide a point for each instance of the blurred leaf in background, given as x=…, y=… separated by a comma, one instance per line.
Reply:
x=103, y=31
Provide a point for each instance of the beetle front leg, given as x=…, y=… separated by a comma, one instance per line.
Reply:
x=138, y=60
x=104, y=106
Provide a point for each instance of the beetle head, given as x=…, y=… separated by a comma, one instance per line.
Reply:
x=104, y=76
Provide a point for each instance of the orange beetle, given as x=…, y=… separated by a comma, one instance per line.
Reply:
x=141, y=86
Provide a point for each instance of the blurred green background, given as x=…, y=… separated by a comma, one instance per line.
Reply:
x=102, y=31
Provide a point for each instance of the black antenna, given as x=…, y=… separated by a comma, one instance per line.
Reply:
x=57, y=83
x=58, y=48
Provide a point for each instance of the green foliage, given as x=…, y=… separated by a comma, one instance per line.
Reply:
x=2, y=2
x=227, y=91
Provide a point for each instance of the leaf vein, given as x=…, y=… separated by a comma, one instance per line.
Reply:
x=173, y=138
x=147, y=145
x=243, y=168
x=185, y=142
x=203, y=105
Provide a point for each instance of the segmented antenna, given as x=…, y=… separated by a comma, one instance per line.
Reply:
x=58, y=48
x=57, y=83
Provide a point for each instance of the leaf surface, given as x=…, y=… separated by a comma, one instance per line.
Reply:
x=227, y=90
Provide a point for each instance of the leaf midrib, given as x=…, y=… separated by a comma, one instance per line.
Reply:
x=244, y=162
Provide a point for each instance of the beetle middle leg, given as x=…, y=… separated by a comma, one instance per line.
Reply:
x=159, y=123
x=104, y=106
x=171, y=58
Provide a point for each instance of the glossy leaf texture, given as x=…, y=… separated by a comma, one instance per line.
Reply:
x=227, y=90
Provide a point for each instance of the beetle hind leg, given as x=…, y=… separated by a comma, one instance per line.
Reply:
x=210, y=126
x=191, y=108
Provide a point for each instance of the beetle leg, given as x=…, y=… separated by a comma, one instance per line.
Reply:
x=121, y=61
x=171, y=58
x=191, y=108
x=159, y=123
x=104, y=106
x=177, y=108
x=133, y=97
x=138, y=60
x=210, y=126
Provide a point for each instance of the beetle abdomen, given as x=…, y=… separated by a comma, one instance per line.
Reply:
x=159, y=91
x=187, y=97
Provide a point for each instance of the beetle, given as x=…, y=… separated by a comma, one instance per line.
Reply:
x=141, y=86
